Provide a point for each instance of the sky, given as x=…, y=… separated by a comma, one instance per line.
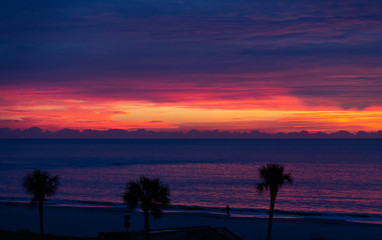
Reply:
x=237, y=65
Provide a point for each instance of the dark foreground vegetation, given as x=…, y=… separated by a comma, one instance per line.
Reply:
x=27, y=235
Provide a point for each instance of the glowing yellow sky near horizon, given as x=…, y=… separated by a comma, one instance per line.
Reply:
x=274, y=114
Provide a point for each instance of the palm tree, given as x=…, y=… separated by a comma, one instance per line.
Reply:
x=273, y=177
x=40, y=184
x=151, y=194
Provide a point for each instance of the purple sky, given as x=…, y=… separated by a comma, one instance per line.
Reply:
x=321, y=56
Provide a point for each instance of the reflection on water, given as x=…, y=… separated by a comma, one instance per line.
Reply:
x=343, y=176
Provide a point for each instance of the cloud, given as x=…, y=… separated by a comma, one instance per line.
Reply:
x=296, y=55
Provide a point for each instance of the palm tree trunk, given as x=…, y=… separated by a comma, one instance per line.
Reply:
x=41, y=220
x=147, y=226
x=270, y=219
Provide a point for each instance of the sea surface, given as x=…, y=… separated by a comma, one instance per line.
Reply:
x=334, y=178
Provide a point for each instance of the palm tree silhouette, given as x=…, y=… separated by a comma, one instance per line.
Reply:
x=151, y=194
x=40, y=184
x=273, y=177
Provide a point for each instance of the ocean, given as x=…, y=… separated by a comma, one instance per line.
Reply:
x=334, y=178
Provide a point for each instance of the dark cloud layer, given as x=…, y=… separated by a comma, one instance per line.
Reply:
x=323, y=53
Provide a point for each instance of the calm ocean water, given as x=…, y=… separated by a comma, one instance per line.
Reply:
x=333, y=178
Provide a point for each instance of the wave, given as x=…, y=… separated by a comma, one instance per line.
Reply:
x=212, y=211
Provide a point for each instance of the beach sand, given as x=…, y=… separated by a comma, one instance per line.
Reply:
x=88, y=221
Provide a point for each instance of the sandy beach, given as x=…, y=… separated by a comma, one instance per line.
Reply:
x=87, y=222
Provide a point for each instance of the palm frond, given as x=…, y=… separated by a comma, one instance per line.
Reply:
x=150, y=193
x=40, y=184
x=273, y=177
x=288, y=178
x=132, y=194
x=156, y=212
x=261, y=187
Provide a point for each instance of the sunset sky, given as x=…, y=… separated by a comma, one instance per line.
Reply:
x=180, y=65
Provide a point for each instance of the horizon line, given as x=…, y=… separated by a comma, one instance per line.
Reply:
x=36, y=132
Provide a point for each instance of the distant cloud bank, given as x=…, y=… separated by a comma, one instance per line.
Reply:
x=35, y=132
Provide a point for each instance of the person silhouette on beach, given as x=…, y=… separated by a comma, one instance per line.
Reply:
x=227, y=211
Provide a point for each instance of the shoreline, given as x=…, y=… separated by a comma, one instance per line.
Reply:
x=244, y=213
x=88, y=221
